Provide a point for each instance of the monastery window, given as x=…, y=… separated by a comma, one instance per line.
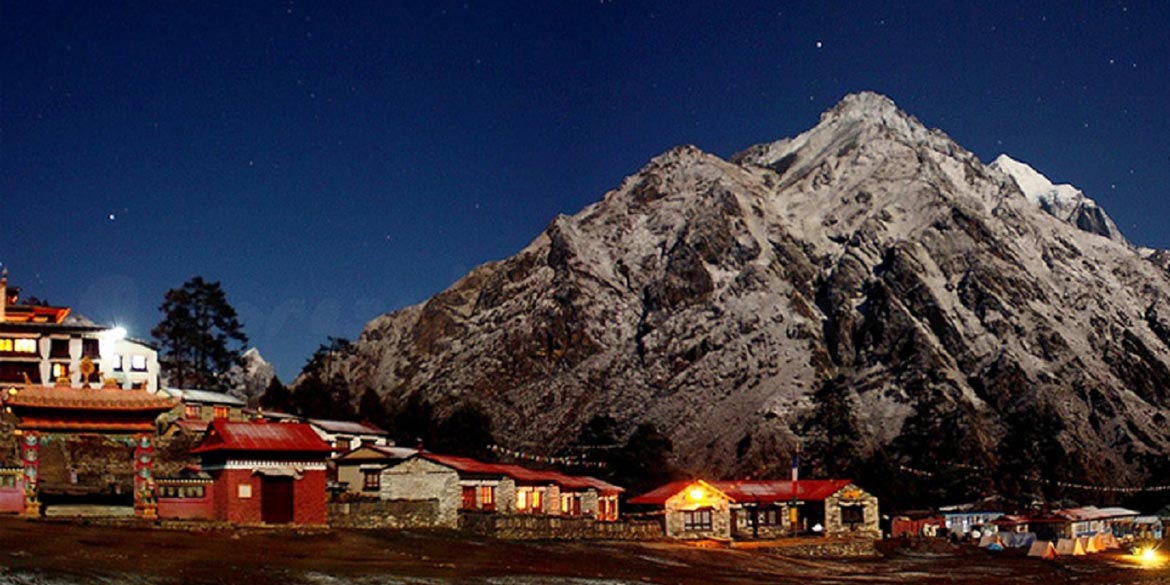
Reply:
x=59, y=348
x=7, y=481
x=90, y=349
x=700, y=519
x=770, y=516
x=117, y=363
x=852, y=515
x=372, y=480
x=487, y=497
x=341, y=444
x=221, y=412
x=468, y=502
x=60, y=371
x=138, y=363
x=244, y=491
x=25, y=346
x=193, y=411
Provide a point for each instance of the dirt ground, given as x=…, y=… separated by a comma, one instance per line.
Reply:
x=63, y=552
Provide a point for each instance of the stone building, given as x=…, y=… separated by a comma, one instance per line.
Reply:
x=418, y=479
x=764, y=509
x=360, y=471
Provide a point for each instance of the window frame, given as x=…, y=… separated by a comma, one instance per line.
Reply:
x=698, y=520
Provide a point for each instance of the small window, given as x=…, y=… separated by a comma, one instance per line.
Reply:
x=487, y=497
x=117, y=365
x=852, y=515
x=25, y=346
x=7, y=481
x=59, y=348
x=468, y=502
x=138, y=363
x=193, y=411
x=244, y=491
x=60, y=371
x=697, y=519
x=341, y=445
x=371, y=480
x=221, y=412
x=192, y=491
x=90, y=349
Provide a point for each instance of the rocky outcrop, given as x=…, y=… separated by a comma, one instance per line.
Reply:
x=713, y=298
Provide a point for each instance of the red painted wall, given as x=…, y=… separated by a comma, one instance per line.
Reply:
x=12, y=498
x=309, y=497
x=189, y=508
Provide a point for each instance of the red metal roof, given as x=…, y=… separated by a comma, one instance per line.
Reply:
x=225, y=435
x=520, y=474
x=751, y=491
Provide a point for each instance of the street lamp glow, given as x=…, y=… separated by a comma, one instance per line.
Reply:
x=115, y=334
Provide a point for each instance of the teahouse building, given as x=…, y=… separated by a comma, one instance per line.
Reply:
x=764, y=508
x=265, y=472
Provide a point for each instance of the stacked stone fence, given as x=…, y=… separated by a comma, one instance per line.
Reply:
x=385, y=514
x=536, y=527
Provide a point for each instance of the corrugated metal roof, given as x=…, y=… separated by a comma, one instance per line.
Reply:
x=347, y=427
x=520, y=474
x=750, y=491
x=191, y=395
x=225, y=435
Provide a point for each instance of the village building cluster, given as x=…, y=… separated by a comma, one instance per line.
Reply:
x=90, y=421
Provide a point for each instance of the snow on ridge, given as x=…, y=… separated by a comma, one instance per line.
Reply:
x=1038, y=188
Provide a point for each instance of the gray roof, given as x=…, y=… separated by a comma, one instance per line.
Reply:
x=205, y=397
x=346, y=427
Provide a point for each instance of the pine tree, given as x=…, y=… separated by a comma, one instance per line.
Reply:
x=200, y=335
x=832, y=431
x=277, y=397
x=467, y=432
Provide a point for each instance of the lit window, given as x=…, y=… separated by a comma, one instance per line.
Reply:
x=371, y=480
x=60, y=371
x=193, y=411
x=5, y=345
x=25, y=346
x=118, y=363
x=521, y=500
x=221, y=412
x=244, y=490
x=697, y=519
x=138, y=363
x=487, y=497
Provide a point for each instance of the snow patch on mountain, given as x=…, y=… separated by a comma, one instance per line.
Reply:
x=1064, y=202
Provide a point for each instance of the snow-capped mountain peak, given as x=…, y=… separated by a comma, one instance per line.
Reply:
x=1064, y=202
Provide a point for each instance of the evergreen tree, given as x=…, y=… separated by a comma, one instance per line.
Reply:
x=1031, y=451
x=414, y=422
x=643, y=462
x=200, y=335
x=467, y=432
x=326, y=399
x=832, y=431
x=277, y=397
x=372, y=409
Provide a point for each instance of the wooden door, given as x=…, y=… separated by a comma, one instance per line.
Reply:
x=276, y=500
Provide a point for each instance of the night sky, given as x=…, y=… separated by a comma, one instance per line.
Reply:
x=330, y=161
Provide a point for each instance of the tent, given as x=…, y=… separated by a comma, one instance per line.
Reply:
x=1105, y=541
x=1042, y=549
x=1017, y=539
x=1069, y=547
x=1089, y=543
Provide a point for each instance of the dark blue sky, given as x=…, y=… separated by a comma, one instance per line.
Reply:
x=330, y=161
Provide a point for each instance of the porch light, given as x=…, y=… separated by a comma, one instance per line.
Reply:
x=697, y=494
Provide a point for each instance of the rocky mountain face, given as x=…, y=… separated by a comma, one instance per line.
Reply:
x=714, y=298
x=248, y=380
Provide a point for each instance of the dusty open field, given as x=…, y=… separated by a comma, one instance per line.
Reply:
x=53, y=552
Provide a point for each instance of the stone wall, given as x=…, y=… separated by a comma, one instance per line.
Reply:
x=420, y=480
x=851, y=495
x=812, y=548
x=679, y=504
x=387, y=514
x=533, y=527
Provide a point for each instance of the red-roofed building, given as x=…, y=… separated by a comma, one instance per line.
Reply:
x=265, y=472
x=763, y=508
x=462, y=483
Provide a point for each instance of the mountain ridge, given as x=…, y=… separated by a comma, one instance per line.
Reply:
x=715, y=299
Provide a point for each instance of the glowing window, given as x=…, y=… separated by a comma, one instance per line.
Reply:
x=487, y=497
x=244, y=491
x=193, y=411
x=25, y=346
x=60, y=371
x=220, y=412
x=138, y=363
